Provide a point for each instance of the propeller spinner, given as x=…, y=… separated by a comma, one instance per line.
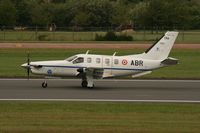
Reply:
x=27, y=65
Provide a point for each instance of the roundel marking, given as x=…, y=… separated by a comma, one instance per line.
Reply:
x=49, y=72
x=124, y=62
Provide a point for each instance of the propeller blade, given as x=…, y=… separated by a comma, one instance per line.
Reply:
x=28, y=67
x=28, y=58
x=28, y=72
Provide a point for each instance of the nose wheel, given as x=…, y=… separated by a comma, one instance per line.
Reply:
x=44, y=84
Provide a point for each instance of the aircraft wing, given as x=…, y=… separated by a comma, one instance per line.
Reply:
x=95, y=73
x=141, y=74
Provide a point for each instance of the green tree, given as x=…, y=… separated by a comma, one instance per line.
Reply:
x=59, y=14
x=41, y=14
x=195, y=12
x=179, y=16
x=166, y=14
x=7, y=13
x=99, y=12
x=23, y=13
x=192, y=18
x=81, y=19
x=121, y=14
x=138, y=14
x=155, y=13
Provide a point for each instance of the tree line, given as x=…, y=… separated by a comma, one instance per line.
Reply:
x=149, y=14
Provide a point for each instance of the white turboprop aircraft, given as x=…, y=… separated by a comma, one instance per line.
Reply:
x=89, y=66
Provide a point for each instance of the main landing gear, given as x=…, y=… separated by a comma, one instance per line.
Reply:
x=87, y=77
x=84, y=83
x=88, y=84
x=44, y=84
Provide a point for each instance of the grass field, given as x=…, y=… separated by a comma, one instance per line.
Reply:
x=11, y=59
x=90, y=117
x=138, y=37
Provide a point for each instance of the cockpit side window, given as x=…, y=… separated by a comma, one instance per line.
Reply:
x=78, y=60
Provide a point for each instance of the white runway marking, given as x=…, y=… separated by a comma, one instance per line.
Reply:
x=105, y=100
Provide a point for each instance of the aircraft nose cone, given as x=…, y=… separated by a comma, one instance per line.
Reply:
x=25, y=65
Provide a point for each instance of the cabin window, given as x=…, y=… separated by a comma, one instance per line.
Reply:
x=107, y=61
x=89, y=60
x=78, y=60
x=116, y=61
x=98, y=60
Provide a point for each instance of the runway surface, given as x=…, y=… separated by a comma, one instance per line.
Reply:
x=105, y=90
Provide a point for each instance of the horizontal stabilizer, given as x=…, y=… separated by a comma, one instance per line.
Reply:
x=141, y=74
x=170, y=61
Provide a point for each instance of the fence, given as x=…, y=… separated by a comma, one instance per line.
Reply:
x=73, y=34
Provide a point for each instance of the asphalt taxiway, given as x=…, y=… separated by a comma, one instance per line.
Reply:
x=105, y=90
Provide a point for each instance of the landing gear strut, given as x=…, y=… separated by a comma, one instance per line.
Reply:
x=84, y=83
x=88, y=84
x=87, y=77
x=44, y=84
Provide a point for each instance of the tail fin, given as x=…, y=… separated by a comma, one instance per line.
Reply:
x=161, y=49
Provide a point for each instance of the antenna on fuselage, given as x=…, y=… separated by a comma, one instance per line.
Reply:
x=114, y=53
x=87, y=52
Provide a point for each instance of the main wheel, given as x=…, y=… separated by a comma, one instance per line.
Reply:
x=91, y=87
x=44, y=84
x=84, y=83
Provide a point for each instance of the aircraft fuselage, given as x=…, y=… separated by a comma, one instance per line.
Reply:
x=113, y=66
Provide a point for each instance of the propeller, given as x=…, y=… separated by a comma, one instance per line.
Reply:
x=28, y=65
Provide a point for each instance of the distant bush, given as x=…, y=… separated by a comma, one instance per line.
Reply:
x=111, y=36
x=42, y=37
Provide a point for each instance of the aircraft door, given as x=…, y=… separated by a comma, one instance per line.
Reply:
x=107, y=64
x=98, y=62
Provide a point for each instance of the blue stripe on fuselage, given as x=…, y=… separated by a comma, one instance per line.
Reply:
x=99, y=68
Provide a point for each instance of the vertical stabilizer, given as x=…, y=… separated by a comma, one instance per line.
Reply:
x=161, y=49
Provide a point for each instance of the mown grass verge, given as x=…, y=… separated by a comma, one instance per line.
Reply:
x=138, y=36
x=108, y=117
